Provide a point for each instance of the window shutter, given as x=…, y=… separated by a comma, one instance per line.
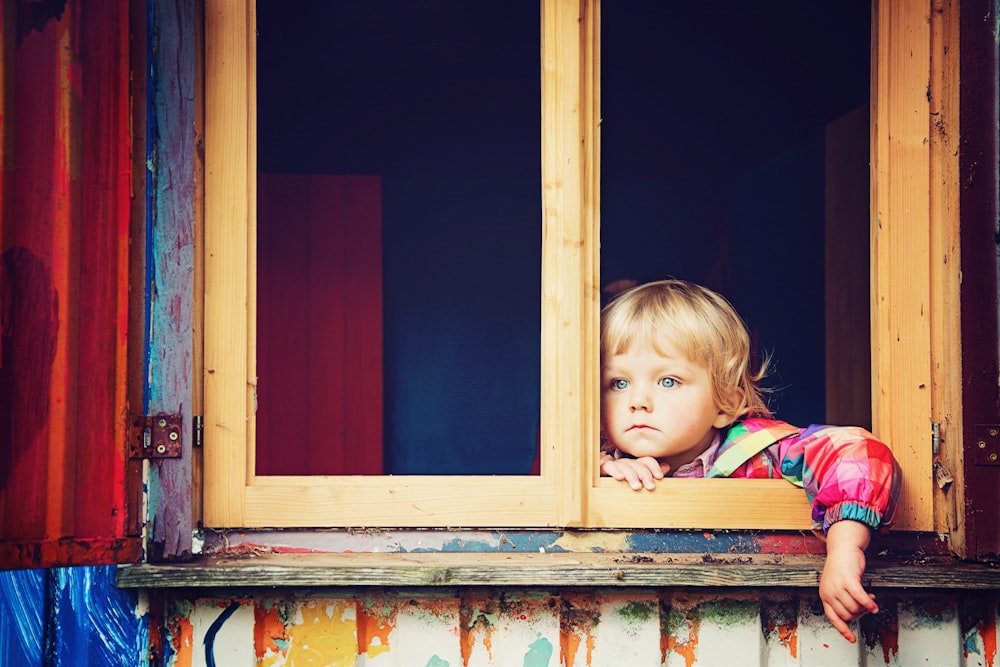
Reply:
x=65, y=199
x=979, y=294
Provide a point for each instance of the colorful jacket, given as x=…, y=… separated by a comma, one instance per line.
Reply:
x=846, y=472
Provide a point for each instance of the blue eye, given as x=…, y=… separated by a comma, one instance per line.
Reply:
x=619, y=384
x=668, y=383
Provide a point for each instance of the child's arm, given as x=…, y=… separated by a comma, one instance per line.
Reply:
x=640, y=473
x=844, y=597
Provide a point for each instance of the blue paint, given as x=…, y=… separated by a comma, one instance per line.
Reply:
x=435, y=661
x=693, y=542
x=69, y=616
x=539, y=653
x=213, y=630
x=22, y=595
x=95, y=619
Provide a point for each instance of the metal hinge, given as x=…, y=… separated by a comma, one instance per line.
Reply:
x=155, y=436
x=198, y=431
x=986, y=445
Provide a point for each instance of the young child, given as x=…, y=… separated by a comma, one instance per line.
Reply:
x=679, y=398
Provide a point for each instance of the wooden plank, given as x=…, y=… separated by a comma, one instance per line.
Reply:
x=901, y=391
x=613, y=570
x=980, y=328
x=419, y=501
x=945, y=269
x=700, y=503
x=229, y=218
x=171, y=308
x=570, y=246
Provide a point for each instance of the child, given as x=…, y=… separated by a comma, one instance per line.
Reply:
x=679, y=398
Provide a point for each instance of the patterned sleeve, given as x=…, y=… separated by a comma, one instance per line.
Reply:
x=846, y=472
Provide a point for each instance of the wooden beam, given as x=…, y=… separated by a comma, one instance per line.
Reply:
x=900, y=219
x=560, y=570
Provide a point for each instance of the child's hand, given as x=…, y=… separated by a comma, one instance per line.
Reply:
x=639, y=473
x=844, y=597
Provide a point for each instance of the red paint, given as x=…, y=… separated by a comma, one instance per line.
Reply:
x=319, y=336
x=64, y=291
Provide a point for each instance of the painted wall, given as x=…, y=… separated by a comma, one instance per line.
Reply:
x=480, y=628
x=70, y=616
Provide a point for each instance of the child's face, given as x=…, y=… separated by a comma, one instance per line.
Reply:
x=658, y=405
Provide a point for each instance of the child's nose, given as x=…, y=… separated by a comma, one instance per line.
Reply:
x=639, y=400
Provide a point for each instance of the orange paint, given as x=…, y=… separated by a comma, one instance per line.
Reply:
x=375, y=624
x=268, y=630
x=578, y=617
x=181, y=632
x=788, y=636
x=669, y=642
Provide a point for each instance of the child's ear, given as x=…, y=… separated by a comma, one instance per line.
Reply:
x=724, y=419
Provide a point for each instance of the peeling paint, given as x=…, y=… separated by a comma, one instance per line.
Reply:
x=325, y=635
x=376, y=621
x=577, y=619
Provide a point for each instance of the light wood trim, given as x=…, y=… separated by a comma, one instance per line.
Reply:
x=228, y=214
x=401, y=501
x=570, y=248
x=945, y=267
x=699, y=503
x=901, y=300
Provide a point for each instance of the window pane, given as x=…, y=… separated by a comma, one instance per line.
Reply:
x=712, y=139
x=399, y=237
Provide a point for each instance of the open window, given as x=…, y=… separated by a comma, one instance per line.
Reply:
x=909, y=325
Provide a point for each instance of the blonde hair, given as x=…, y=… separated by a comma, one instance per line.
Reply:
x=700, y=324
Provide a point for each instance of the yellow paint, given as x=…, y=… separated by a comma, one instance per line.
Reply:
x=593, y=541
x=326, y=637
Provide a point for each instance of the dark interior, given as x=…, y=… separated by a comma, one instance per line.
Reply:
x=712, y=137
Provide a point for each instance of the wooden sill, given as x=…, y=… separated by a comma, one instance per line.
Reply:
x=560, y=570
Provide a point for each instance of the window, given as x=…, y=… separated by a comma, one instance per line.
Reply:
x=910, y=315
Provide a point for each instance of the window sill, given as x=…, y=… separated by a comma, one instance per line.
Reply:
x=560, y=570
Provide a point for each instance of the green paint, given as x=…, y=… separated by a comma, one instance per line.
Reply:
x=728, y=612
x=539, y=653
x=639, y=612
x=435, y=661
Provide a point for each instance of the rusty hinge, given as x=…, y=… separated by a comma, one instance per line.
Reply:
x=986, y=445
x=155, y=436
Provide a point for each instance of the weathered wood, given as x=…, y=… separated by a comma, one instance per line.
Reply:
x=900, y=225
x=980, y=328
x=171, y=235
x=544, y=569
x=946, y=270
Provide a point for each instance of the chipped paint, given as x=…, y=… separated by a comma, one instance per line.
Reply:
x=322, y=633
x=270, y=638
x=376, y=621
x=578, y=618
x=179, y=650
x=491, y=626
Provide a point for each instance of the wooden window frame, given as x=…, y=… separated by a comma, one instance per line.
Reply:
x=914, y=307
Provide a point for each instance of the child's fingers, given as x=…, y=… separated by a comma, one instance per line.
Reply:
x=838, y=623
